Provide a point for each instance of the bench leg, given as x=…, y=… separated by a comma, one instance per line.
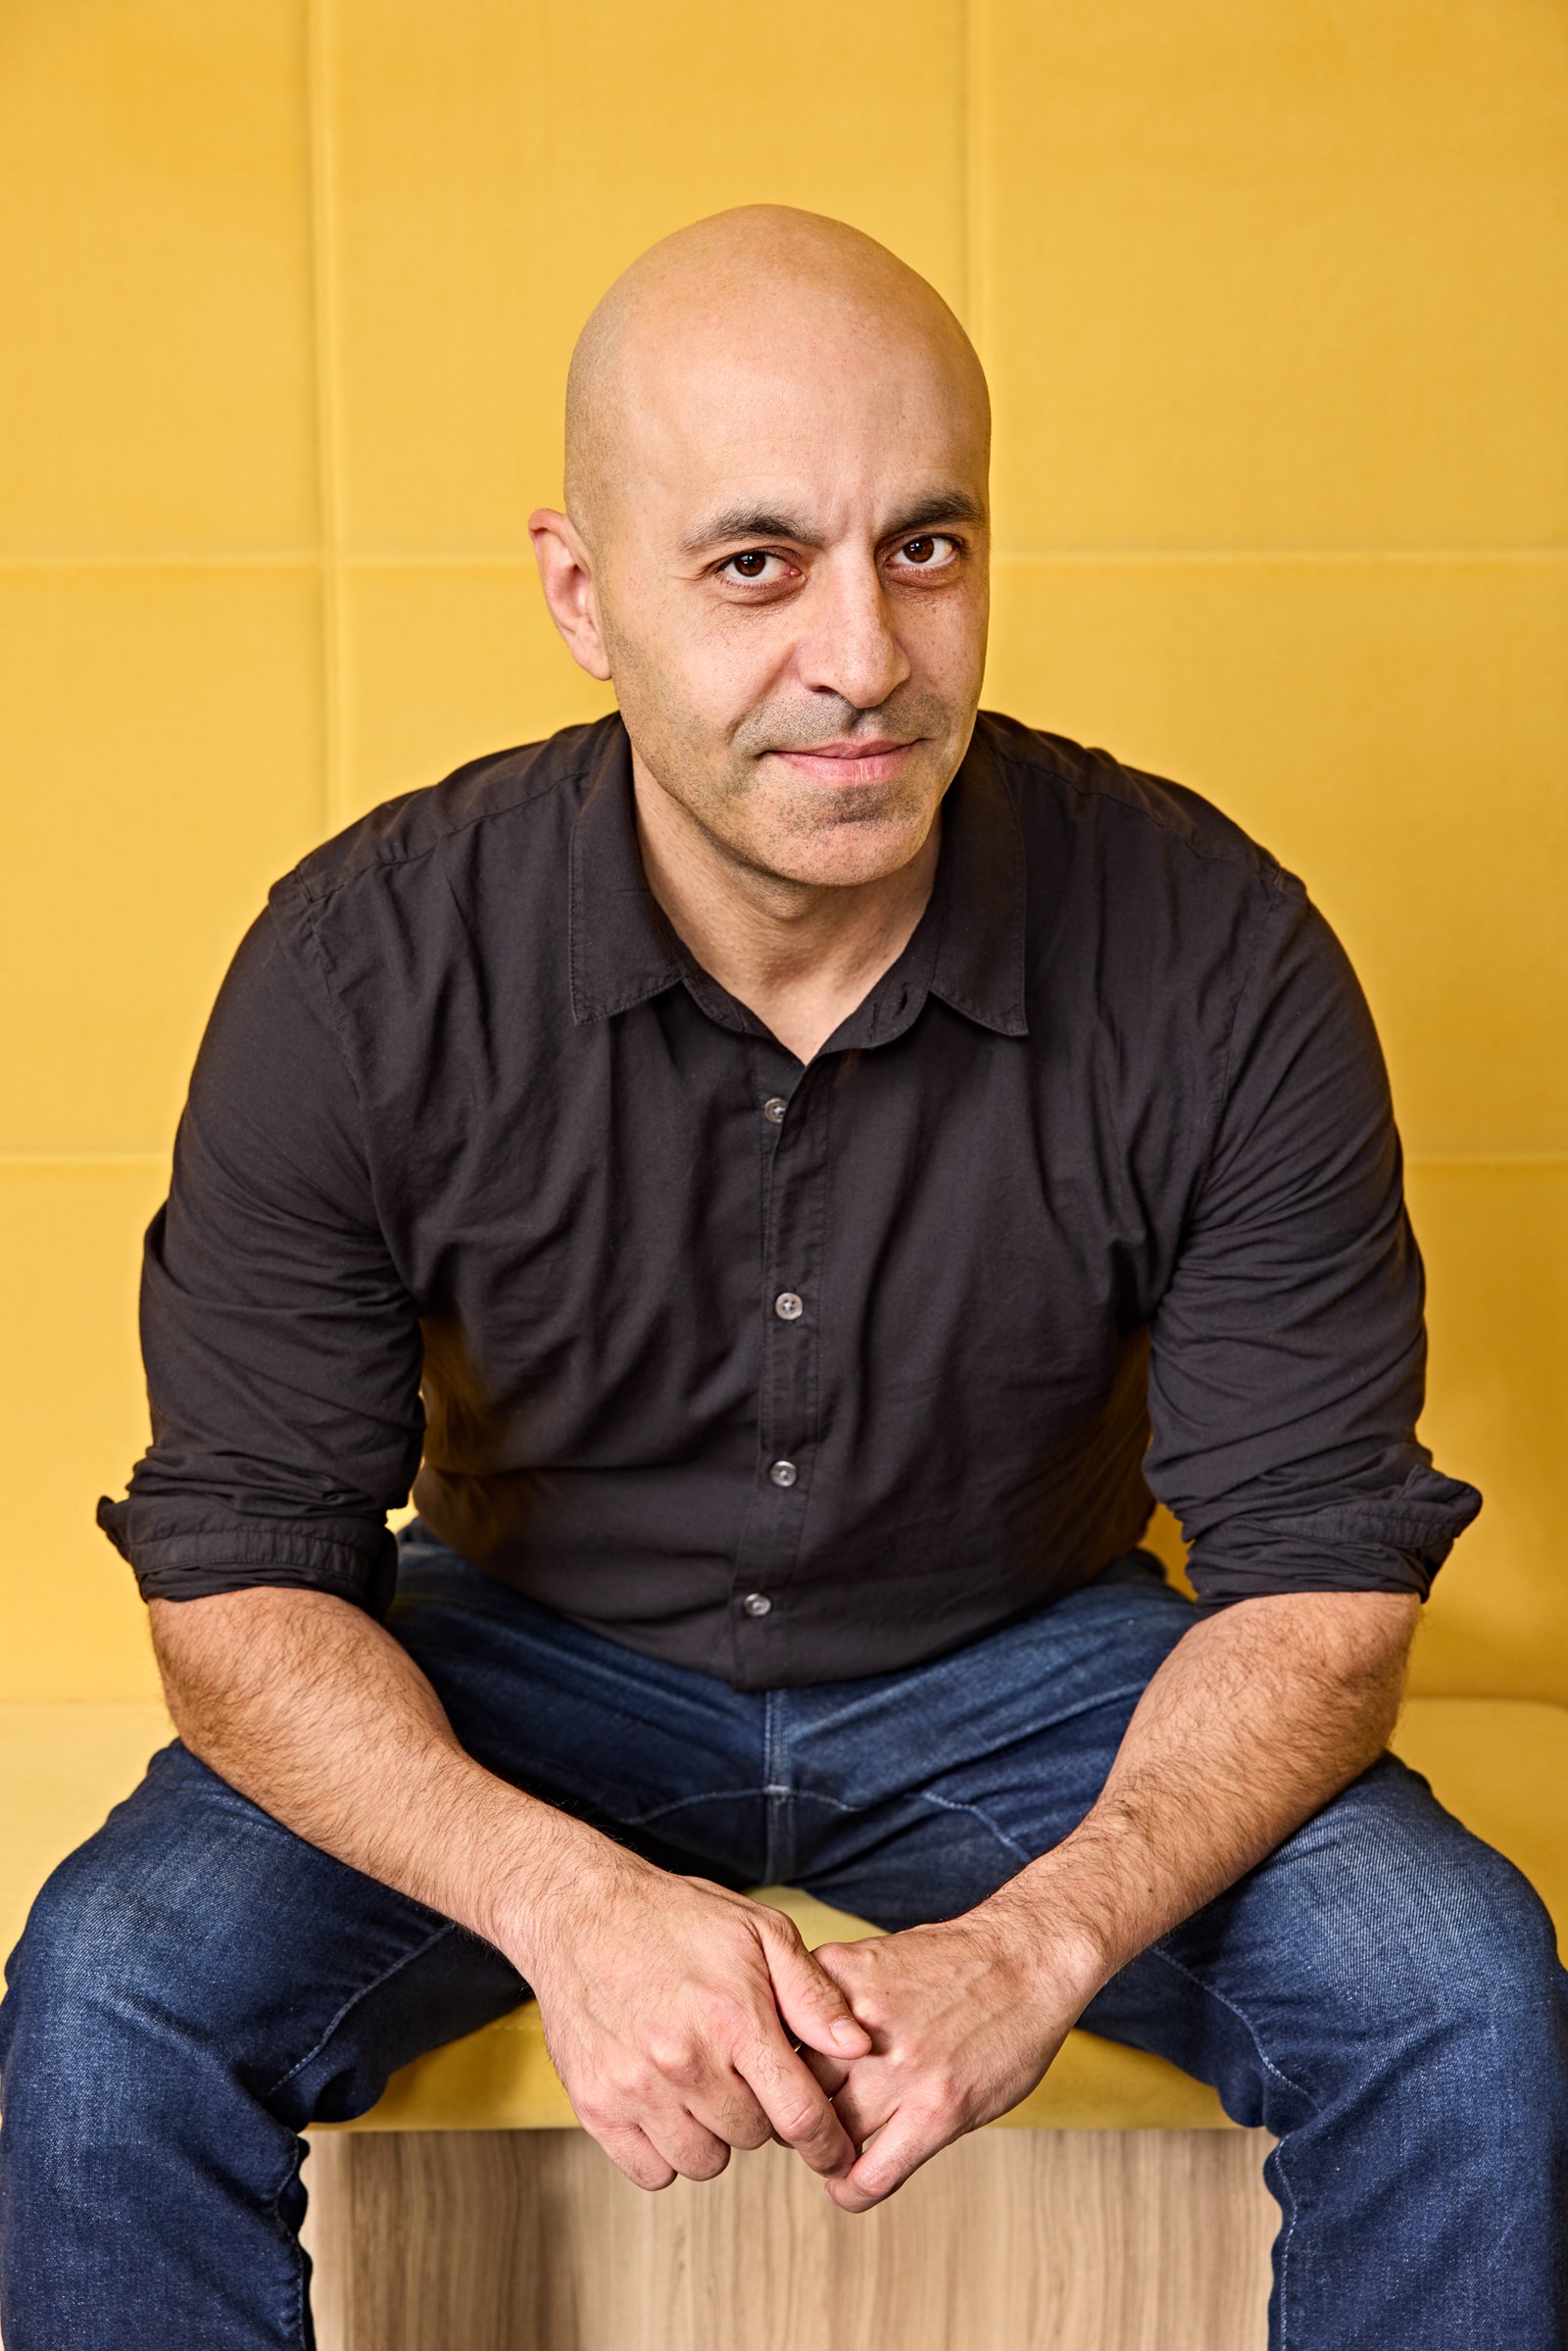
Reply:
x=1013, y=2240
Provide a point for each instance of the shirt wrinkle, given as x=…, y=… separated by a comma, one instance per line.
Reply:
x=790, y=1372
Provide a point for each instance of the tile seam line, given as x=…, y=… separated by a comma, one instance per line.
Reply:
x=150, y=1162
x=1175, y=557
x=329, y=409
x=972, y=134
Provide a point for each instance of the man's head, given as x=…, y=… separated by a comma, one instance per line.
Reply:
x=775, y=541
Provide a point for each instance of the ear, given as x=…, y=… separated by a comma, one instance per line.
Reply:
x=565, y=574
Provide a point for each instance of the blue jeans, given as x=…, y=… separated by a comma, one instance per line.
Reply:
x=196, y=1983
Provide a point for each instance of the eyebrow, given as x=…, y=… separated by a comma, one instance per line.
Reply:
x=764, y=522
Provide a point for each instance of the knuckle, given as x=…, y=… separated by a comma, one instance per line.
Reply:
x=816, y=2135
x=675, y=2058
x=797, y=2120
x=643, y=2166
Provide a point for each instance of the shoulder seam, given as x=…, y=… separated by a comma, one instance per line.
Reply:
x=319, y=894
x=1262, y=863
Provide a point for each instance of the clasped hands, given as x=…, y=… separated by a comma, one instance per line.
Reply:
x=686, y=2020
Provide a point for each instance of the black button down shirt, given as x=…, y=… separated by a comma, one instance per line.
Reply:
x=787, y=1373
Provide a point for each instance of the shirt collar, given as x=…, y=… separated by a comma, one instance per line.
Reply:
x=967, y=948
x=982, y=894
x=623, y=948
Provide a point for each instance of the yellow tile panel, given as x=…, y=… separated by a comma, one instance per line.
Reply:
x=443, y=664
x=72, y=1407
x=1290, y=275
x=161, y=735
x=62, y=1768
x=1396, y=733
x=156, y=378
x=498, y=164
x=1498, y=1302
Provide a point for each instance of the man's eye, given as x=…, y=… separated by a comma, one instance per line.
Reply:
x=754, y=566
x=928, y=553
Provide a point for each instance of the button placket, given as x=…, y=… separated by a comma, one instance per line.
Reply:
x=793, y=1173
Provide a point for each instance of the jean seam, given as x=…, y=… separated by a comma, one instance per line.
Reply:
x=1040, y=1725
x=303, y=2332
x=923, y=1795
x=977, y=1812
x=708, y=1795
x=782, y=1796
x=1288, y=2229
x=437, y=1935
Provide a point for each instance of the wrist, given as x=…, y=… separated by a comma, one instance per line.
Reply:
x=550, y=1875
x=1053, y=1935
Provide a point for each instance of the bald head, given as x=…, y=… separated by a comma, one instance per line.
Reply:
x=747, y=299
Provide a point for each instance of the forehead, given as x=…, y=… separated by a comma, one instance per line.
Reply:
x=789, y=419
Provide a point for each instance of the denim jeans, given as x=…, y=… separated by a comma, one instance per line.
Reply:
x=196, y=1983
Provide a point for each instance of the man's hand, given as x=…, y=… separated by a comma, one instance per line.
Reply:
x=671, y=2006
x=663, y=1998
x=1256, y=1719
x=965, y=2019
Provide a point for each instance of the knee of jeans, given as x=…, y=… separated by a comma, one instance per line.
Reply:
x=75, y=1963
x=1430, y=1939
x=112, y=1980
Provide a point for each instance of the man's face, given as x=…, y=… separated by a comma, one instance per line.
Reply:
x=790, y=579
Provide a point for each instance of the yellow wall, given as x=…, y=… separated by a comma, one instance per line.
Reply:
x=1273, y=301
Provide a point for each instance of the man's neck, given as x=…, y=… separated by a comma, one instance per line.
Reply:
x=798, y=955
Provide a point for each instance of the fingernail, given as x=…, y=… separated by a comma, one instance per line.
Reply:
x=847, y=2034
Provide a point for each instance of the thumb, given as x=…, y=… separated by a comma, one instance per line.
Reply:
x=810, y=2002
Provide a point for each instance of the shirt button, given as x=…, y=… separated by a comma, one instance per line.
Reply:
x=757, y=1603
x=788, y=1308
x=775, y=1109
x=783, y=1473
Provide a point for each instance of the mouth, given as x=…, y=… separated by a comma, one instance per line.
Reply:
x=862, y=761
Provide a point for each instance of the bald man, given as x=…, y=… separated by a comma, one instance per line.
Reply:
x=783, y=1165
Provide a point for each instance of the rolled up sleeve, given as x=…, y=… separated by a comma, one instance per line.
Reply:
x=1287, y=1354
x=282, y=1352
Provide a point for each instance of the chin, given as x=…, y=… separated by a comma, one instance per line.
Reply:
x=846, y=857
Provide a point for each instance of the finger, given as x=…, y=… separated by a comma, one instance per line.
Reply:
x=808, y=2000
x=830, y=2073
x=797, y=2107
x=685, y=2144
x=731, y=2113
x=631, y=2151
x=909, y=2140
x=866, y=2101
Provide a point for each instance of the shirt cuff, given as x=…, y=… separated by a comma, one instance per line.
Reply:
x=1357, y=1543
x=190, y=1551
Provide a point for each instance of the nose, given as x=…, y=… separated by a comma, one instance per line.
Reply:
x=850, y=649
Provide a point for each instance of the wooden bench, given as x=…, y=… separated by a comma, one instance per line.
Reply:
x=1116, y=2210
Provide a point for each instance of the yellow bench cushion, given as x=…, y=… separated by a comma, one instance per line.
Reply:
x=1498, y=1763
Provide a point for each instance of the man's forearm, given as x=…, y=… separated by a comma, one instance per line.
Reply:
x=675, y=2009
x=311, y=1709
x=1256, y=1719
